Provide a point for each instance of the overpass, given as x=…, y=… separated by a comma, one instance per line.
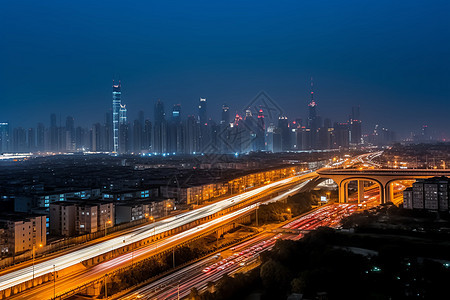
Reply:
x=383, y=177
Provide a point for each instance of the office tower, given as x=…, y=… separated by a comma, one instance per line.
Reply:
x=312, y=112
x=259, y=143
x=341, y=135
x=70, y=134
x=174, y=131
x=19, y=140
x=225, y=114
x=160, y=115
x=204, y=133
x=283, y=126
x=141, y=117
x=123, y=130
x=107, y=133
x=4, y=137
x=137, y=136
x=82, y=139
x=424, y=134
x=159, y=142
x=40, y=137
x=31, y=139
x=191, y=134
x=116, y=97
x=202, y=115
x=96, y=137
x=327, y=123
x=147, y=140
x=355, y=126
x=53, y=133
x=176, y=113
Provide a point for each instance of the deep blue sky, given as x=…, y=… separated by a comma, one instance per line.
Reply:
x=393, y=59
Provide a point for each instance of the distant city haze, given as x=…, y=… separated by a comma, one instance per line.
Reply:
x=391, y=59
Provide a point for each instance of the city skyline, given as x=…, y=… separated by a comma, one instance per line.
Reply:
x=392, y=61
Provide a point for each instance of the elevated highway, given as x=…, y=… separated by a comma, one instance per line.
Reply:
x=382, y=177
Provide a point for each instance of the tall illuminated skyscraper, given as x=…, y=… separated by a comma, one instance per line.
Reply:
x=123, y=130
x=202, y=116
x=4, y=137
x=225, y=114
x=116, y=95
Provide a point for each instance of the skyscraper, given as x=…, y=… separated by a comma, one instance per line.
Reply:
x=70, y=134
x=160, y=129
x=355, y=126
x=40, y=137
x=225, y=114
x=4, y=137
x=202, y=115
x=53, y=133
x=313, y=120
x=116, y=97
x=176, y=113
x=123, y=130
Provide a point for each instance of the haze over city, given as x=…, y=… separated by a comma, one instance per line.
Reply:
x=389, y=58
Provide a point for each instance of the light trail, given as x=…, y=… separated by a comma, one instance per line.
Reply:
x=68, y=260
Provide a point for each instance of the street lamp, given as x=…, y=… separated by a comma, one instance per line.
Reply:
x=290, y=214
x=34, y=254
x=54, y=282
x=167, y=206
x=107, y=222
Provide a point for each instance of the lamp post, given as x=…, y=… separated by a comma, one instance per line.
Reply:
x=107, y=222
x=54, y=282
x=106, y=286
x=34, y=254
x=290, y=214
x=167, y=206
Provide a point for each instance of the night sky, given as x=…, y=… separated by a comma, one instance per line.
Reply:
x=392, y=59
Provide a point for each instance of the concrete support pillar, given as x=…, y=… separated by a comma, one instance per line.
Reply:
x=343, y=192
x=388, y=193
x=360, y=191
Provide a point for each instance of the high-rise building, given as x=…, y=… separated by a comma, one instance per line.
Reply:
x=191, y=134
x=176, y=113
x=175, y=132
x=31, y=139
x=202, y=115
x=40, y=137
x=53, y=133
x=4, y=137
x=148, y=133
x=283, y=126
x=137, y=136
x=259, y=143
x=225, y=114
x=313, y=120
x=107, y=139
x=429, y=194
x=123, y=130
x=355, y=126
x=19, y=140
x=160, y=129
x=70, y=134
x=116, y=97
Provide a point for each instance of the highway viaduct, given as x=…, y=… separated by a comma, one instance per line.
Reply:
x=382, y=177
